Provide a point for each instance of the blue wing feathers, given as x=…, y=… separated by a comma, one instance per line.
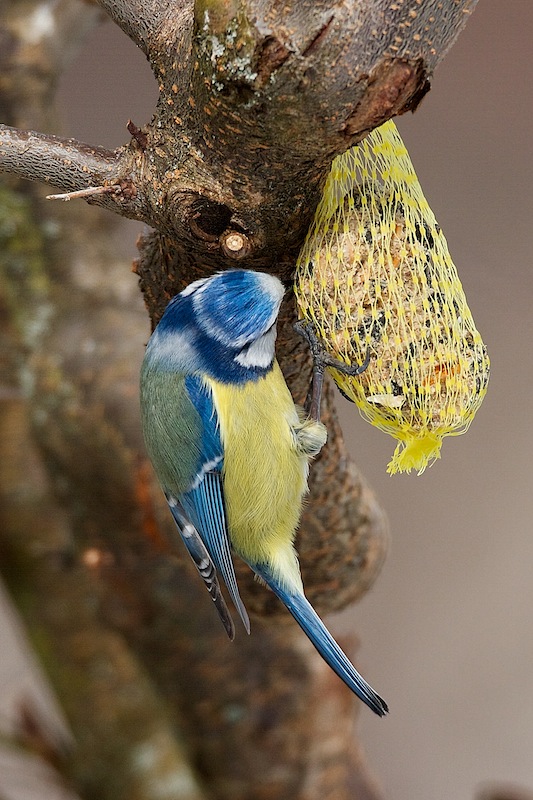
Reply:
x=307, y=618
x=204, y=502
x=205, y=506
x=202, y=561
x=211, y=448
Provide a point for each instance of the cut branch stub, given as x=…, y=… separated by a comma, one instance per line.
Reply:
x=235, y=245
x=214, y=224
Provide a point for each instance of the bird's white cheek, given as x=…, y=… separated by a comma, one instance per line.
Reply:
x=260, y=353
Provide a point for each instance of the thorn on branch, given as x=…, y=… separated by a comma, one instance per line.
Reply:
x=90, y=191
x=125, y=189
x=139, y=135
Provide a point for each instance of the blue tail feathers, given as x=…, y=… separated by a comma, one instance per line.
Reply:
x=307, y=618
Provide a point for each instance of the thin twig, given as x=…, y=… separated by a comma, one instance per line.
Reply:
x=88, y=192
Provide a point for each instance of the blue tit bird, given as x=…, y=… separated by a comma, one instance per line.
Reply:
x=230, y=448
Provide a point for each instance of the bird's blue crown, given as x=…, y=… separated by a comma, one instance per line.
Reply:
x=238, y=306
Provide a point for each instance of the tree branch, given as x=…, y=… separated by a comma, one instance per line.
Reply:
x=231, y=137
x=64, y=163
x=72, y=166
x=143, y=20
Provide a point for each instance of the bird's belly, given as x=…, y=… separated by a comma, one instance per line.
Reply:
x=265, y=477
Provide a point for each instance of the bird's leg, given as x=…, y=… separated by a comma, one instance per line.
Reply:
x=321, y=360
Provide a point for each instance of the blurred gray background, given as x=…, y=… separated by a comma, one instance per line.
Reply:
x=447, y=632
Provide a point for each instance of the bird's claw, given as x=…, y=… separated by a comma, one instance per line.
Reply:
x=322, y=360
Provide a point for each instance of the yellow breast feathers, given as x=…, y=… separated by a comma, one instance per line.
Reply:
x=267, y=447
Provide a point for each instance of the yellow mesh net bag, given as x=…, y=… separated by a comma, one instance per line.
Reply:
x=375, y=277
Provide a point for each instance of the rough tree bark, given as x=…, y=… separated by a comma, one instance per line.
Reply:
x=256, y=98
